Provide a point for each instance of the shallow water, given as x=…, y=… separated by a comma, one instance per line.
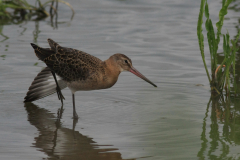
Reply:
x=131, y=120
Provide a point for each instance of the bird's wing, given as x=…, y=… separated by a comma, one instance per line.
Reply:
x=72, y=65
x=43, y=85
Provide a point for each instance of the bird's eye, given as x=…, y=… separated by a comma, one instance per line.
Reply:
x=126, y=61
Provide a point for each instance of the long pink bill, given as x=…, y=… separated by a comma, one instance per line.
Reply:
x=134, y=71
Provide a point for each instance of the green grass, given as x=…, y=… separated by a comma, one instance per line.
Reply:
x=219, y=79
x=18, y=10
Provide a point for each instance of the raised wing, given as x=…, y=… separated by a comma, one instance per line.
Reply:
x=43, y=85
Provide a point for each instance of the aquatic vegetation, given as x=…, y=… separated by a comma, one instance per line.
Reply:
x=17, y=10
x=220, y=128
x=219, y=79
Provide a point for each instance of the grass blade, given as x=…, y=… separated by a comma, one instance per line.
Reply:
x=201, y=37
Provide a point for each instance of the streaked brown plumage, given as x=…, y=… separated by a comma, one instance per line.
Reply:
x=77, y=70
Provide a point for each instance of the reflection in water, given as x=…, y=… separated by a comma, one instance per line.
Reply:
x=224, y=128
x=23, y=31
x=54, y=25
x=19, y=20
x=63, y=143
x=2, y=35
x=36, y=32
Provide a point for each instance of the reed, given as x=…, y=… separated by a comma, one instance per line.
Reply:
x=219, y=79
x=16, y=10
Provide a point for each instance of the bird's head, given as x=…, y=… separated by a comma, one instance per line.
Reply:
x=125, y=64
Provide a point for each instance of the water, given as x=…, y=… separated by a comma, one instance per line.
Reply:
x=131, y=120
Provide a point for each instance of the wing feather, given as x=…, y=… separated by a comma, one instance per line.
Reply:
x=72, y=65
x=43, y=85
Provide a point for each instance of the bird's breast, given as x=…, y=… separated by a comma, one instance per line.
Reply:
x=93, y=83
x=105, y=76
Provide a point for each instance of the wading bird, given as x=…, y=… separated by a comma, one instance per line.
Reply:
x=77, y=70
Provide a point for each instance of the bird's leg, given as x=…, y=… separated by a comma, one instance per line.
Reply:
x=75, y=116
x=59, y=93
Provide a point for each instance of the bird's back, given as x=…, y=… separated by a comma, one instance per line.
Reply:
x=70, y=64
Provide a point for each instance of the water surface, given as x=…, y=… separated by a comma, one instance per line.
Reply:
x=131, y=120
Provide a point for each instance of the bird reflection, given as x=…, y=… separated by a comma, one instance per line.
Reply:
x=64, y=143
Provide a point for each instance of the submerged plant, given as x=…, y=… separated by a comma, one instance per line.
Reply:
x=218, y=80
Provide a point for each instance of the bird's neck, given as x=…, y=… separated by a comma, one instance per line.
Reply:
x=112, y=71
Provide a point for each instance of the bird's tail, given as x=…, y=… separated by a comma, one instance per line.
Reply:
x=52, y=44
x=43, y=85
x=42, y=53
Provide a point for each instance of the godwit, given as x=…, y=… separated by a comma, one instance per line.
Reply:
x=77, y=70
